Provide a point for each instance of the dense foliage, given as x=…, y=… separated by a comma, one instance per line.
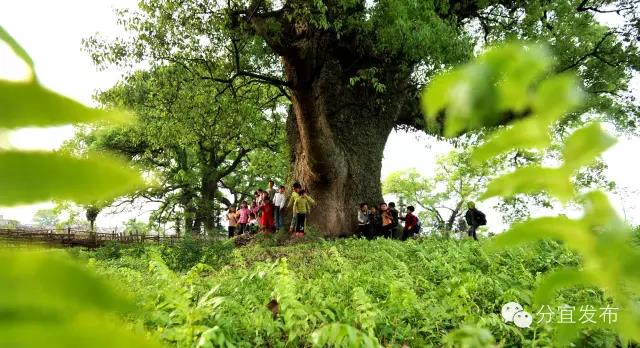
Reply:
x=600, y=233
x=427, y=292
x=206, y=146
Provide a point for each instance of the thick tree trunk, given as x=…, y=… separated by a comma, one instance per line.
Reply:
x=337, y=134
x=206, y=206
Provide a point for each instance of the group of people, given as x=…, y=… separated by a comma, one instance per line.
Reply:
x=266, y=211
x=383, y=221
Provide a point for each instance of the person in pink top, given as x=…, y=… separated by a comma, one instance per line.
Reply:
x=255, y=208
x=243, y=217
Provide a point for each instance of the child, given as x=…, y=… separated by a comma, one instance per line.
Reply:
x=266, y=221
x=232, y=217
x=375, y=223
x=260, y=199
x=252, y=226
x=301, y=208
x=395, y=218
x=387, y=220
x=243, y=217
x=255, y=208
x=410, y=224
x=294, y=195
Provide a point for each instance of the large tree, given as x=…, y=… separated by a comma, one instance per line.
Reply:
x=352, y=69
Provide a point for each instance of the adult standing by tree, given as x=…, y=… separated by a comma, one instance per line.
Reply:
x=475, y=218
x=395, y=218
x=363, y=220
x=271, y=191
x=279, y=201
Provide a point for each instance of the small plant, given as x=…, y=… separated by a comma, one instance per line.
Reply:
x=111, y=250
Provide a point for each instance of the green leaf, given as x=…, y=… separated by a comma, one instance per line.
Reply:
x=24, y=273
x=532, y=179
x=575, y=233
x=599, y=211
x=17, y=49
x=86, y=332
x=557, y=280
x=25, y=104
x=435, y=97
x=520, y=66
x=524, y=134
x=47, y=300
x=29, y=177
x=585, y=145
x=480, y=93
x=556, y=96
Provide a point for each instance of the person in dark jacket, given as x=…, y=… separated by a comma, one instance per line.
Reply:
x=395, y=218
x=375, y=223
x=410, y=224
x=475, y=218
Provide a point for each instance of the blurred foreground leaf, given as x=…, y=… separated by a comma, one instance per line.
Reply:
x=523, y=134
x=529, y=180
x=17, y=49
x=29, y=177
x=47, y=300
x=585, y=145
x=26, y=104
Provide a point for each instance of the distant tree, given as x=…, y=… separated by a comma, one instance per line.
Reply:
x=442, y=195
x=196, y=140
x=46, y=218
x=91, y=212
x=132, y=226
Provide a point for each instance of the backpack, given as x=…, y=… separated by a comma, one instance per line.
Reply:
x=418, y=225
x=482, y=219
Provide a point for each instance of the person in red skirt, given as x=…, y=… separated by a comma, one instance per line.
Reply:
x=266, y=221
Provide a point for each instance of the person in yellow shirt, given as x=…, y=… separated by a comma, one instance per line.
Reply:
x=294, y=195
x=301, y=208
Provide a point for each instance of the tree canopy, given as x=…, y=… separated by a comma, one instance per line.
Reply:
x=352, y=69
x=194, y=139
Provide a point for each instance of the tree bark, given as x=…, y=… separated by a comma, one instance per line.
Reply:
x=336, y=131
x=337, y=134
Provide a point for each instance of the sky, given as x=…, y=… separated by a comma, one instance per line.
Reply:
x=51, y=31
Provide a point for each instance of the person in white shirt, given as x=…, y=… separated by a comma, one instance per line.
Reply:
x=279, y=201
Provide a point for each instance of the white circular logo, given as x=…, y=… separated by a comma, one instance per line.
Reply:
x=522, y=319
x=509, y=310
